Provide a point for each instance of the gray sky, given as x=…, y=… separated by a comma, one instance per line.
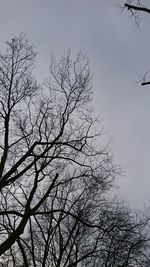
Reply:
x=119, y=55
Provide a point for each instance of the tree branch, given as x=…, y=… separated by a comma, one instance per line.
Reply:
x=137, y=8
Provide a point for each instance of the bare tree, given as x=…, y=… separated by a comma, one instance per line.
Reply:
x=54, y=175
x=48, y=138
x=62, y=240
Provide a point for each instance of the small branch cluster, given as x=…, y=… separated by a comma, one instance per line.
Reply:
x=136, y=9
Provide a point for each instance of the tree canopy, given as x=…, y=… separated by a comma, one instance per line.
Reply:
x=55, y=174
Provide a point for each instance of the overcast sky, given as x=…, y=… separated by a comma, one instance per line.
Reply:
x=119, y=55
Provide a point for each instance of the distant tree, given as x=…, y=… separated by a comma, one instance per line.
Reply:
x=54, y=177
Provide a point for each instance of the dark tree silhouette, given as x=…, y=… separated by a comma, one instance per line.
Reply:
x=54, y=177
x=47, y=136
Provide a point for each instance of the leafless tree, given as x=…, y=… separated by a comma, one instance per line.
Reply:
x=62, y=240
x=54, y=174
x=48, y=137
